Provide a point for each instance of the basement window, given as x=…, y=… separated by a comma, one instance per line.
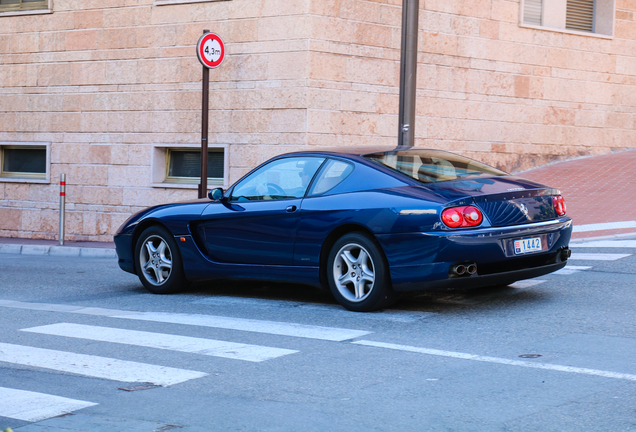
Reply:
x=24, y=163
x=37, y=6
x=179, y=166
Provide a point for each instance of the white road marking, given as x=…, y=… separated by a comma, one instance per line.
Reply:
x=605, y=244
x=527, y=283
x=498, y=360
x=604, y=226
x=210, y=347
x=250, y=325
x=33, y=407
x=598, y=256
x=393, y=316
x=242, y=324
x=95, y=366
x=571, y=269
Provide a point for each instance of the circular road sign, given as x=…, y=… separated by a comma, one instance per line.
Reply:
x=211, y=50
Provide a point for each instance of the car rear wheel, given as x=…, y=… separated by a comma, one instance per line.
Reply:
x=358, y=274
x=158, y=262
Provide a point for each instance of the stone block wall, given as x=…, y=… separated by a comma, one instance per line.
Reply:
x=103, y=81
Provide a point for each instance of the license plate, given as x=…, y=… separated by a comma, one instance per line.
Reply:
x=528, y=245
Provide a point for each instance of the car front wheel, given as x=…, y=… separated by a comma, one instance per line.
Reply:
x=158, y=262
x=358, y=274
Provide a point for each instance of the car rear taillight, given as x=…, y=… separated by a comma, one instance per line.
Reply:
x=559, y=205
x=461, y=217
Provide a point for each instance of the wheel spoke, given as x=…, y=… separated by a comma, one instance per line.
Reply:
x=363, y=258
x=159, y=275
x=348, y=258
x=150, y=248
x=161, y=249
x=165, y=264
x=359, y=286
x=345, y=279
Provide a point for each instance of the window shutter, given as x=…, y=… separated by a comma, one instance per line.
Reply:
x=580, y=15
x=532, y=12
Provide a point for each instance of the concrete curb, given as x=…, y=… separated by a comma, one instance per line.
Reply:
x=64, y=251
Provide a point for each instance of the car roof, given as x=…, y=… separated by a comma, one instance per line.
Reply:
x=354, y=150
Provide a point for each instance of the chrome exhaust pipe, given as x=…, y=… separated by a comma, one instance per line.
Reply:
x=471, y=268
x=459, y=269
x=565, y=254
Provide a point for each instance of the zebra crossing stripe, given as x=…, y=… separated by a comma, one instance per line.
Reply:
x=32, y=407
x=571, y=269
x=527, y=283
x=605, y=244
x=250, y=325
x=210, y=347
x=95, y=366
x=598, y=256
x=604, y=226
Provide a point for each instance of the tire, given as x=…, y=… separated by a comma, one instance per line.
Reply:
x=158, y=261
x=358, y=275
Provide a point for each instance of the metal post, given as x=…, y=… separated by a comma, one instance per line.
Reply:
x=203, y=186
x=62, y=207
x=408, y=72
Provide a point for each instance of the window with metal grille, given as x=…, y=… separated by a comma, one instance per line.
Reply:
x=23, y=162
x=19, y=5
x=532, y=12
x=184, y=166
x=580, y=15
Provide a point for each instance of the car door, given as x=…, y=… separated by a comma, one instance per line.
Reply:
x=257, y=224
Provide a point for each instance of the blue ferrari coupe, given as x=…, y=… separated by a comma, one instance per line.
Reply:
x=365, y=224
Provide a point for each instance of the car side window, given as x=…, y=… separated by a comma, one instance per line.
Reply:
x=280, y=179
x=330, y=177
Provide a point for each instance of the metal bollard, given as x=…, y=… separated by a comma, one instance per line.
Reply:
x=62, y=206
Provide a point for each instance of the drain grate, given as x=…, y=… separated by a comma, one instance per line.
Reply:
x=139, y=387
x=167, y=428
x=530, y=356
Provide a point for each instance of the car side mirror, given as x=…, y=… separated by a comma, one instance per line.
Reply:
x=216, y=194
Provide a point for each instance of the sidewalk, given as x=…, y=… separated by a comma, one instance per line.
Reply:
x=52, y=247
x=600, y=193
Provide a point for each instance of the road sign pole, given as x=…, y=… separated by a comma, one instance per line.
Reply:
x=211, y=53
x=408, y=72
x=203, y=186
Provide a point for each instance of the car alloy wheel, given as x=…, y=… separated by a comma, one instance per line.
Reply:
x=158, y=261
x=353, y=272
x=358, y=274
x=155, y=259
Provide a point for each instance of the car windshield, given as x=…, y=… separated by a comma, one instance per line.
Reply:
x=431, y=166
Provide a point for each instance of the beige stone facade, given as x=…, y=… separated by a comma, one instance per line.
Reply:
x=107, y=86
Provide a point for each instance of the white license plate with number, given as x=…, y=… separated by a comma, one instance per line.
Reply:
x=528, y=245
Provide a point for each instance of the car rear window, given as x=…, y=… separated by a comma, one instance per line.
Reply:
x=431, y=166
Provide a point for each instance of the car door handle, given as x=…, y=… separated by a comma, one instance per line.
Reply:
x=291, y=209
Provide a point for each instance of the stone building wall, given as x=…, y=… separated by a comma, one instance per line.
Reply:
x=106, y=82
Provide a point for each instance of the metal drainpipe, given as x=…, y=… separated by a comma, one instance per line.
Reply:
x=408, y=72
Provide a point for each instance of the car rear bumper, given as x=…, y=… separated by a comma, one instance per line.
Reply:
x=420, y=261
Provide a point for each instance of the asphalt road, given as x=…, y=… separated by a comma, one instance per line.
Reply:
x=554, y=356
